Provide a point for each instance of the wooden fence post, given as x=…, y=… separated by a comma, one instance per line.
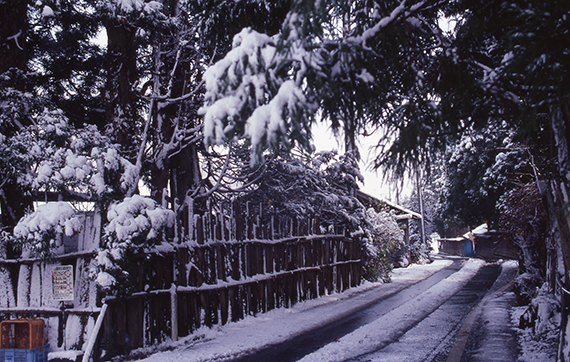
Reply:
x=173, y=313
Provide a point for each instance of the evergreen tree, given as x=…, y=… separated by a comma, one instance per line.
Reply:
x=15, y=103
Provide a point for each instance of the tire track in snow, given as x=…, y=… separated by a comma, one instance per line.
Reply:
x=391, y=326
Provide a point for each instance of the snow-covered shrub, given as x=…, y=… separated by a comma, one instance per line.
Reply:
x=135, y=224
x=383, y=238
x=51, y=155
x=419, y=251
x=540, y=324
x=526, y=286
x=6, y=238
x=137, y=218
x=39, y=232
x=311, y=185
x=547, y=310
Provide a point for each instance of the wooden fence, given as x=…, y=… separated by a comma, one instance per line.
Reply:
x=233, y=266
x=213, y=269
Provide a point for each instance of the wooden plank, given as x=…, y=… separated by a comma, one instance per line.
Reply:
x=269, y=256
x=262, y=296
x=214, y=306
x=236, y=302
x=270, y=294
x=135, y=325
x=327, y=259
x=195, y=307
x=309, y=249
x=184, y=320
x=248, y=221
x=239, y=225
x=181, y=269
x=120, y=324
x=224, y=305
x=259, y=258
x=313, y=285
x=321, y=281
x=199, y=230
x=211, y=265
x=219, y=225
x=108, y=332
x=300, y=263
x=294, y=289
x=292, y=262
x=221, y=262
x=193, y=273
x=234, y=256
x=154, y=315
x=200, y=265
x=252, y=299
x=205, y=303
x=278, y=257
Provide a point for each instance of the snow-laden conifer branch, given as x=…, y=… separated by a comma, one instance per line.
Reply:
x=254, y=93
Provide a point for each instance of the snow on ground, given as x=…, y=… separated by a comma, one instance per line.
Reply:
x=254, y=333
x=234, y=340
x=385, y=329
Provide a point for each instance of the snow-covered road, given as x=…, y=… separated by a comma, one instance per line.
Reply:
x=414, y=318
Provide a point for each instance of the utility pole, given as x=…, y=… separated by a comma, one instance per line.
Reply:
x=420, y=198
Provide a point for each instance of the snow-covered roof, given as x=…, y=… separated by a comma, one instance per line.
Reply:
x=407, y=214
x=479, y=230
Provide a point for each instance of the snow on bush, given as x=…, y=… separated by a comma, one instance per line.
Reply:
x=53, y=156
x=383, y=237
x=524, y=223
x=309, y=185
x=540, y=326
x=136, y=218
x=38, y=231
x=136, y=7
x=134, y=223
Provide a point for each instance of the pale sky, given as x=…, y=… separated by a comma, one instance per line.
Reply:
x=374, y=183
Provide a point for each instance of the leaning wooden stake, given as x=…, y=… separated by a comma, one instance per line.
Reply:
x=95, y=333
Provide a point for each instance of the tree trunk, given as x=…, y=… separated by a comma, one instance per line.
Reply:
x=121, y=75
x=561, y=192
x=176, y=159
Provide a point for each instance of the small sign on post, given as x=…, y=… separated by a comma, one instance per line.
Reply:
x=62, y=283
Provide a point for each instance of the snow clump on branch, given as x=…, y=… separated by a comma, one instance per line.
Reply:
x=137, y=217
x=39, y=230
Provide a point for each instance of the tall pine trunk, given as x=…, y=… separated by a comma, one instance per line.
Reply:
x=121, y=109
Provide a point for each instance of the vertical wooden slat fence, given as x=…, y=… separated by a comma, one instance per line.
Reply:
x=229, y=267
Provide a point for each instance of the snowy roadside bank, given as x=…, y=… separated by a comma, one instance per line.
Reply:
x=254, y=333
